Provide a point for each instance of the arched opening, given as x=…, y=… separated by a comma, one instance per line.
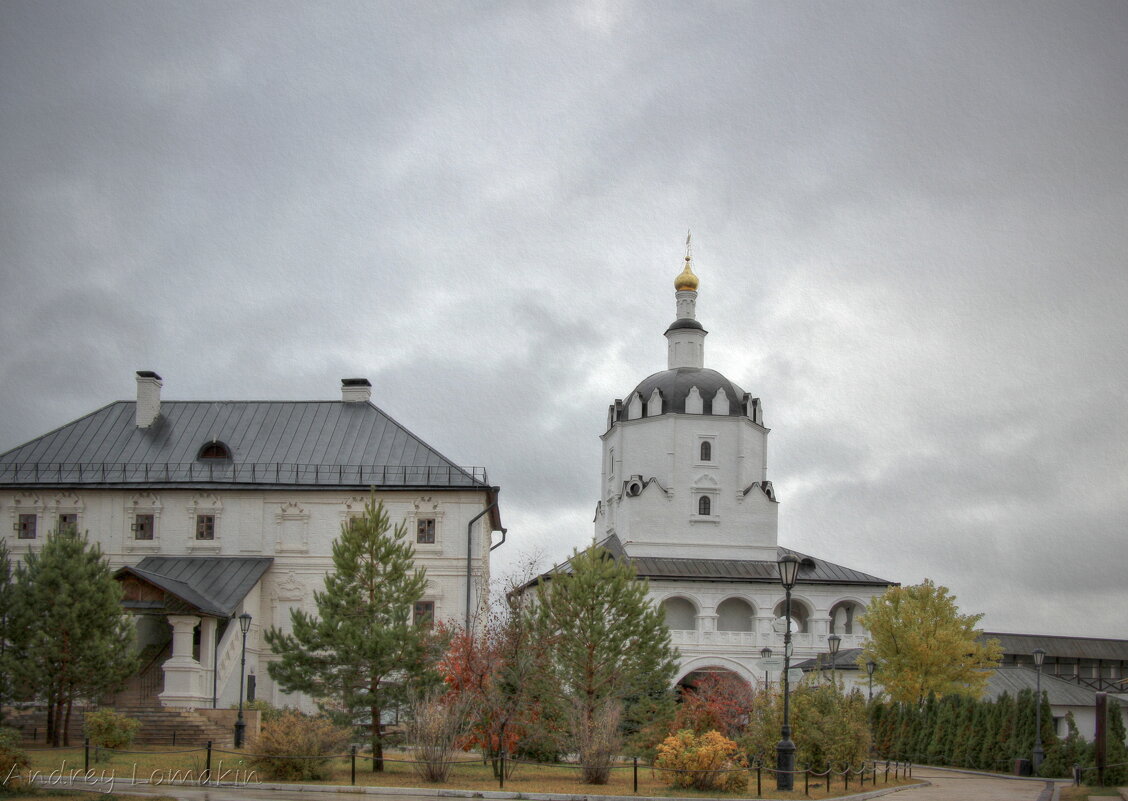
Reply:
x=845, y=617
x=704, y=506
x=735, y=614
x=706, y=451
x=799, y=615
x=714, y=698
x=214, y=450
x=681, y=615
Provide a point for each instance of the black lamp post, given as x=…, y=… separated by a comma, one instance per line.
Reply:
x=835, y=642
x=785, y=749
x=766, y=653
x=240, y=724
x=869, y=669
x=1039, y=754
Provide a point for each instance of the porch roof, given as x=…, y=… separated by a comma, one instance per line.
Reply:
x=211, y=585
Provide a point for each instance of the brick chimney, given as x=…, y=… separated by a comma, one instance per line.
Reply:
x=356, y=390
x=148, y=398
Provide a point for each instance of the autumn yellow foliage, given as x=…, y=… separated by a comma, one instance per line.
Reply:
x=921, y=644
x=708, y=761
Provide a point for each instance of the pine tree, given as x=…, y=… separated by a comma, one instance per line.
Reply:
x=941, y=734
x=6, y=599
x=361, y=653
x=70, y=639
x=610, y=644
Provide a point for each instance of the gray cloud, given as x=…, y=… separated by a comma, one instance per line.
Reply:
x=908, y=222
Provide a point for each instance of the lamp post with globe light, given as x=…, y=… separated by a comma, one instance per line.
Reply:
x=870, y=665
x=834, y=642
x=766, y=653
x=785, y=749
x=240, y=724
x=1039, y=754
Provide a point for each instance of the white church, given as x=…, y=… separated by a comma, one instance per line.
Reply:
x=685, y=495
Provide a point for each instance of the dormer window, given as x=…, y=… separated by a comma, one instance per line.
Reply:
x=214, y=450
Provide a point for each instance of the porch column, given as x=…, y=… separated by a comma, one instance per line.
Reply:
x=183, y=675
x=208, y=627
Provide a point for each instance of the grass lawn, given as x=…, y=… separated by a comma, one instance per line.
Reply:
x=470, y=774
x=1082, y=793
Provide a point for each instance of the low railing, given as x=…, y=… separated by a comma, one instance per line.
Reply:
x=242, y=473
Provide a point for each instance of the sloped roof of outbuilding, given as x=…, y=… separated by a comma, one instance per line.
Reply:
x=323, y=443
x=213, y=585
x=1012, y=679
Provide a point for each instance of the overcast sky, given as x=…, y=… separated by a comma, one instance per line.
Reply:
x=910, y=222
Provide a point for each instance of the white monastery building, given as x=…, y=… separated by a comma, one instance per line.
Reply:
x=686, y=497
x=209, y=509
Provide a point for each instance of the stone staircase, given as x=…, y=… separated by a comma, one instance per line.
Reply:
x=167, y=725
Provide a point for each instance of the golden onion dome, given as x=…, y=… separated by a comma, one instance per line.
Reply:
x=686, y=280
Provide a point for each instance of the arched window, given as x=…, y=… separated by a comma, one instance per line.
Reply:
x=706, y=451
x=681, y=615
x=214, y=450
x=704, y=506
x=735, y=614
x=798, y=615
x=844, y=618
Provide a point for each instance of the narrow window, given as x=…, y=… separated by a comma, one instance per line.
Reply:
x=706, y=451
x=26, y=527
x=143, y=527
x=425, y=614
x=205, y=527
x=68, y=522
x=425, y=532
x=704, y=506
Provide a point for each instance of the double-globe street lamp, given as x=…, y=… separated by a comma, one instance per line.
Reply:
x=240, y=724
x=785, y=749
x=1039, y=754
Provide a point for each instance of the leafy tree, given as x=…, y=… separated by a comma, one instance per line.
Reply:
x=495, y=672
x=830, y=726
x=718, y=702
x=361, y=653
x=70, y=639
x=609, y=644
x=921, y=643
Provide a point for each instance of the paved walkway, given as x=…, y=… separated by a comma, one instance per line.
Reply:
x=955, y=786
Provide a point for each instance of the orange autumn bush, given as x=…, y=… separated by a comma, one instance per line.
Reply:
x=708, y=761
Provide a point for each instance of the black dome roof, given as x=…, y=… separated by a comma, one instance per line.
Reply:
x=675, y=385
x=685, y=322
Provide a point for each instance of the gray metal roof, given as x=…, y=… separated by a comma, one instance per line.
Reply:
x=279, y=443
x=215, y=585
x=1061, y=647
x=675, y=384
x=1012, y=679
x=847, y=659
x=811, y=570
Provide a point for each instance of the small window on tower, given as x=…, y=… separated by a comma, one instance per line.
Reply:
x=704, y=506
x=205, y=527
x=425, y=531
x=706, y=451
x=25, y=527
x=143, y=526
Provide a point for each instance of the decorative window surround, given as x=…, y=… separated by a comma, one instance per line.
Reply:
x=293, y=528
x=26, y=508
x=705, y=451
x=426, y=508
x=143, y=504
x=65, y=510
x=205, y=504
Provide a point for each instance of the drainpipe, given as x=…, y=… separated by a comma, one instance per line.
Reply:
x=470, y=554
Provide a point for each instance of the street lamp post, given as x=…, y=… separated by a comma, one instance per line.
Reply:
x=785, y=749
x=1039, y=754
x=835, y=642
x=240, y=724
x=766, y=653
x=869, y=669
